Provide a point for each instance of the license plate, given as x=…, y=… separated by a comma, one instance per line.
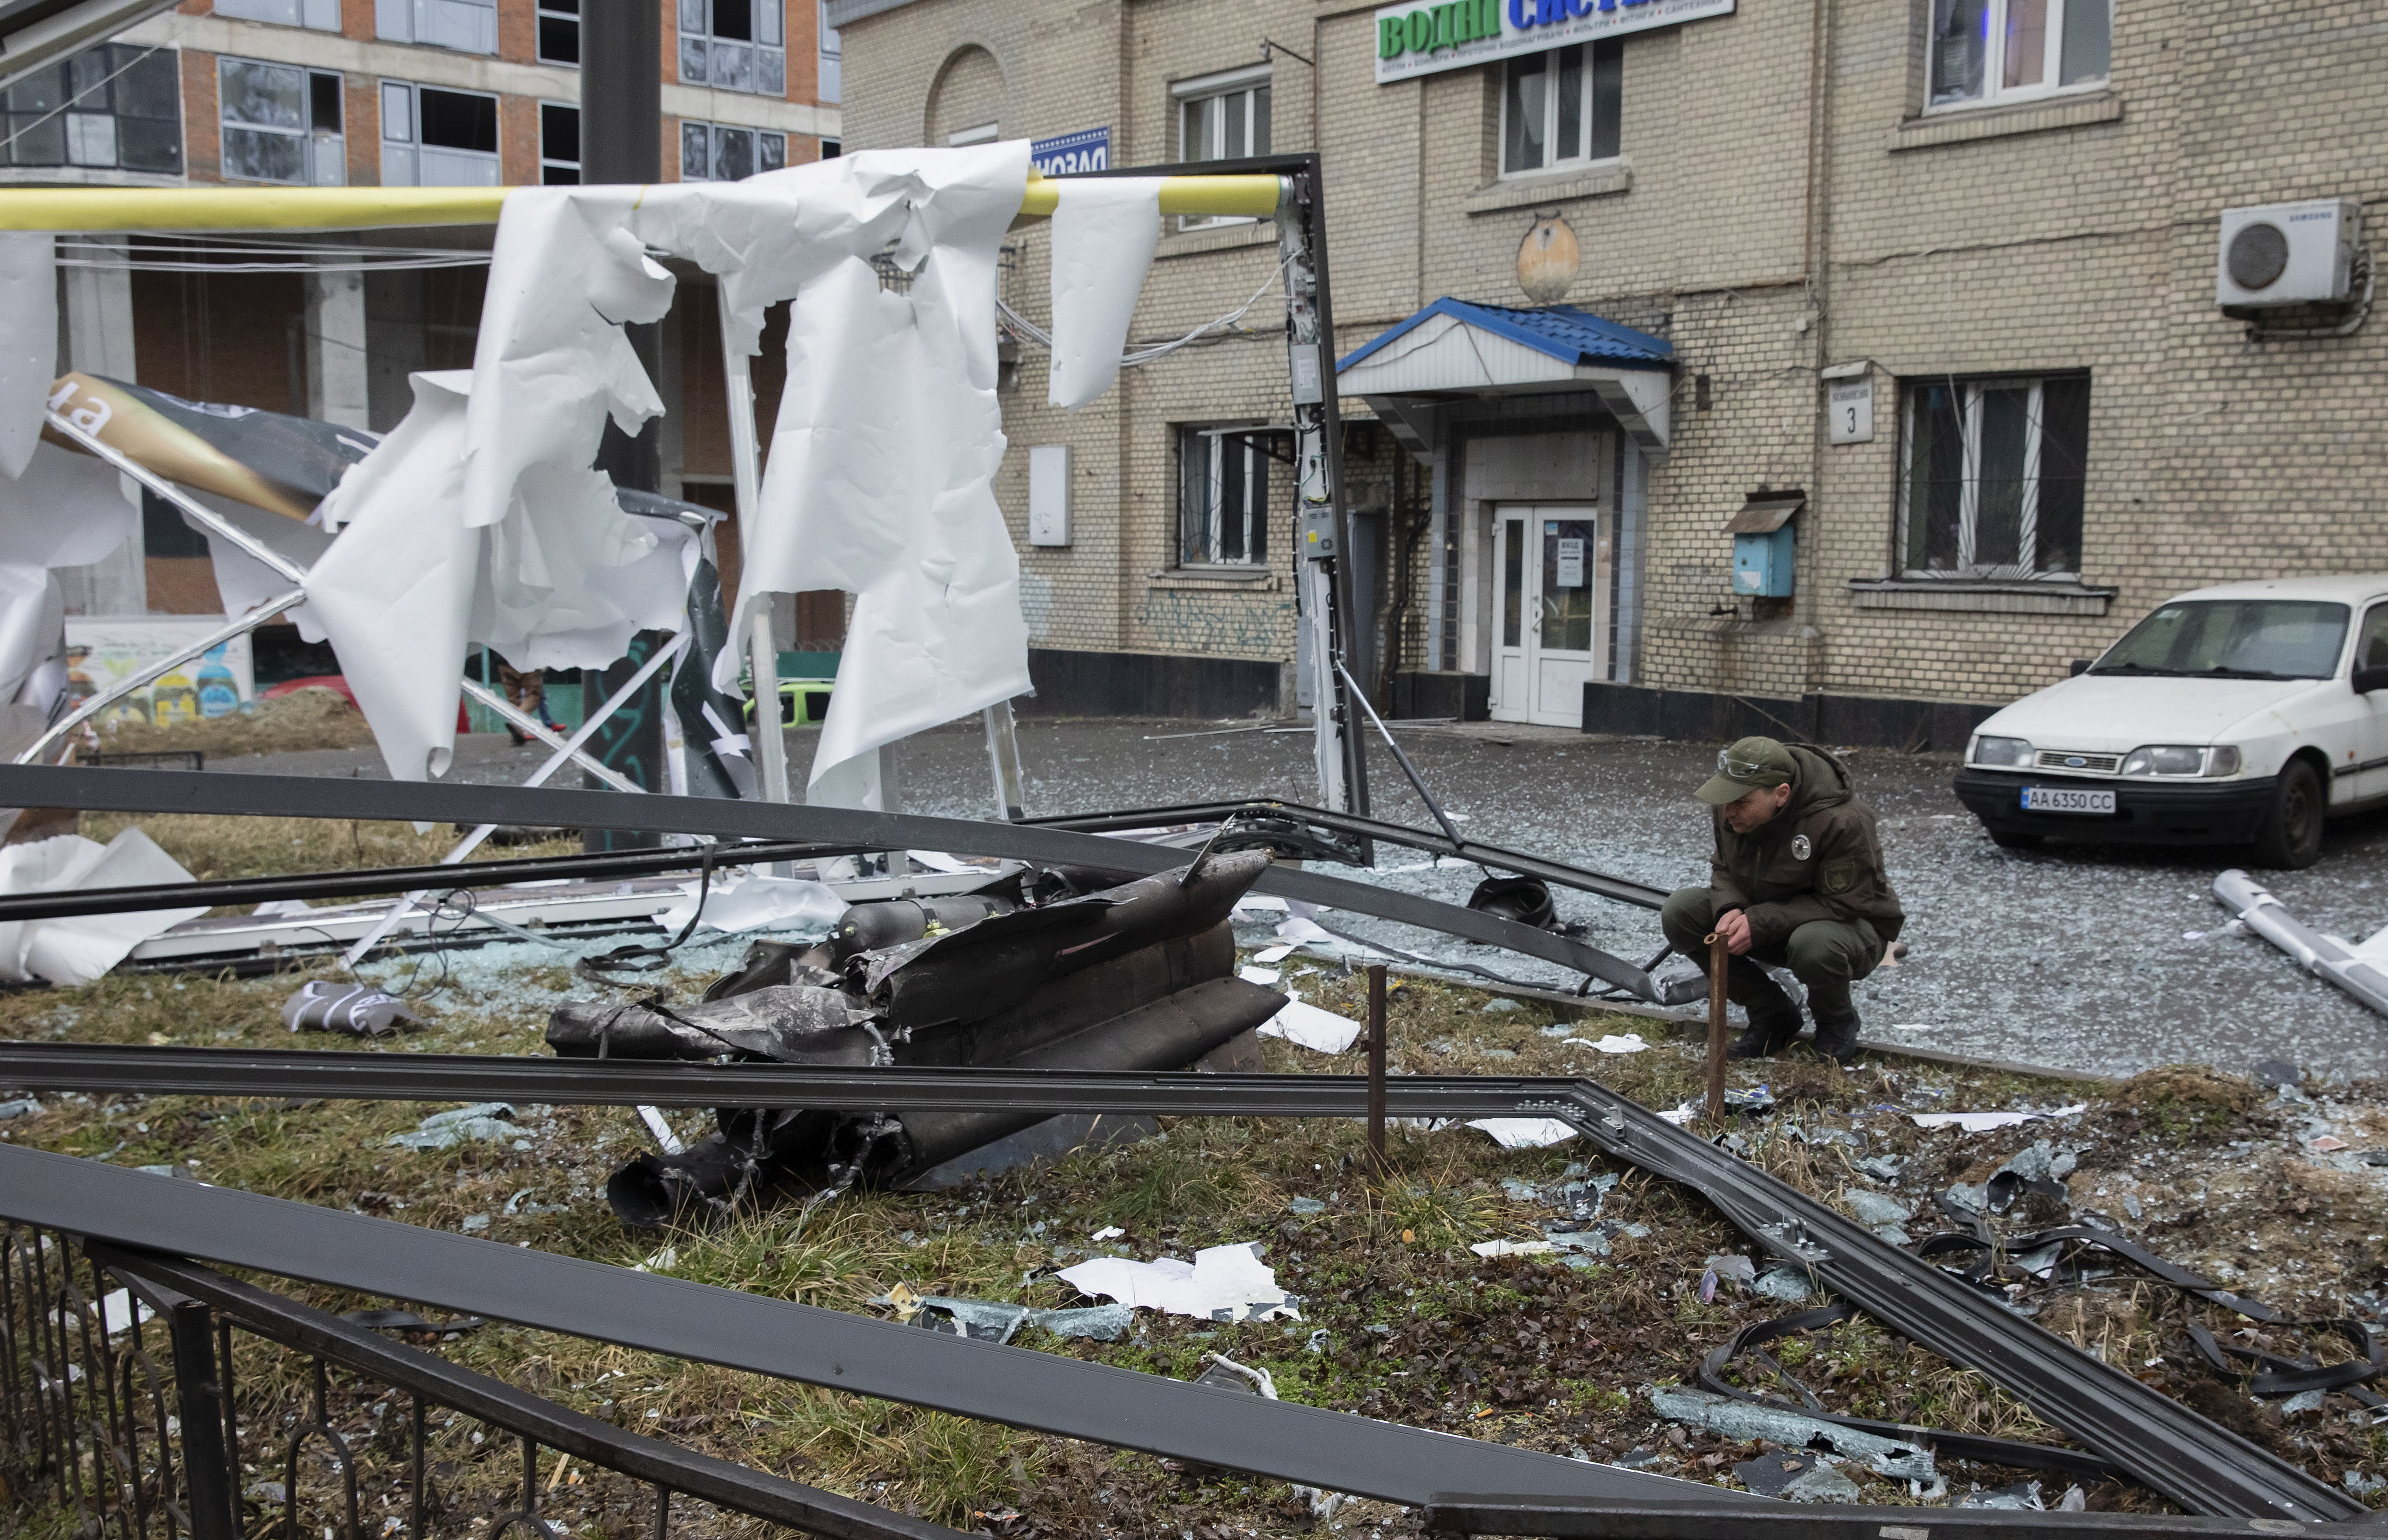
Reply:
x=2067, y=799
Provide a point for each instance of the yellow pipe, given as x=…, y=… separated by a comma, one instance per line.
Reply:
x=377, y=208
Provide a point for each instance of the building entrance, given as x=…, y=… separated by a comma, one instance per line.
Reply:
x=1545, y=646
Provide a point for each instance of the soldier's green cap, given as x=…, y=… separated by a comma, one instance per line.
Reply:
x=1750, y=765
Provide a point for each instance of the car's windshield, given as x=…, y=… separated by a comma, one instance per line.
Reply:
x=2233, y=638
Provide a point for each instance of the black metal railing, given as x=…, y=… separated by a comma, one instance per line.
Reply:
x=118, y=1445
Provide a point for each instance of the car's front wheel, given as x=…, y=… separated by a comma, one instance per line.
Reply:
x=2291, y=835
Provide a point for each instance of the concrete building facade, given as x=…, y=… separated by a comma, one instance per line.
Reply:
x=1911, y=303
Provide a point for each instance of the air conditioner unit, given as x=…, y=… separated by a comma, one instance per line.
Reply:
x=2287, y=254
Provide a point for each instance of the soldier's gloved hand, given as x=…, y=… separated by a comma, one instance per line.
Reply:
x=1734, y=925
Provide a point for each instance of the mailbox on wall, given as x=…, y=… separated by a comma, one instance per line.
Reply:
x=1762, y=544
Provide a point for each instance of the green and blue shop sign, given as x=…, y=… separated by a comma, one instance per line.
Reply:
x=1423, y=39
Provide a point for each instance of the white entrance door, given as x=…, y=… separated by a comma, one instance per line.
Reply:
x=1546, y=561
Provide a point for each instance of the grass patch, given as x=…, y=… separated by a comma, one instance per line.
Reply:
x=312, y=718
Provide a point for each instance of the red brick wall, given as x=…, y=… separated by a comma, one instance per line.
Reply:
x=202, y=146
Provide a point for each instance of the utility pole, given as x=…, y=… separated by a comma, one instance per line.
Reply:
x=621, y=143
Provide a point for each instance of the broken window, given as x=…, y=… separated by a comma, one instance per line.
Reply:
x=734, y=45
x=280, y=123
x=720, y=152
x=1562, y=108
x=559, y=144
x=1998, y=50
x=434, y=138
x=112, y=106
x=1223, y=495
x=1993, y=476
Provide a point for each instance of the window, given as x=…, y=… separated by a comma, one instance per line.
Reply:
x=1555, y=112
x=716, y=152
x=322, y=15
x=434, y=138
x=831, y=149
x=983, y=133
x=1223, y=495
x=1992, y=475
x=280, y=123
x=2260, y=638
x=733, y=46
x=559, y=31
x=832, y=60
x=2000, y=50
x=1224, y=116
x=559, y=145
x=467, y=26
x=108, y=106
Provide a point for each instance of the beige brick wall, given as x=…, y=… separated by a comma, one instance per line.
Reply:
x=2077, y=238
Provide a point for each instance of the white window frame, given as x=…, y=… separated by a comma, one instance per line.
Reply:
x=1201, y=88
x=709, y=130
x=467, y=26
x=830, y=82
x=401, y=157
x=1995, y=92
x=323, y=157
x=982, y=134
x=1551, y=117
x=697, y=42
x=1969, y=567
x=548, y=10
x=547, y=160
x=323, y=16
x=1219, y=440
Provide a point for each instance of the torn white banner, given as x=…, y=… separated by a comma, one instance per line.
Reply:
x=1306, y=1026
x=883, y=462
x=63, y=510
x=28, y=342
x=1104, y=233
x=80, y=949
x=756, y=902
x=1223, y=1283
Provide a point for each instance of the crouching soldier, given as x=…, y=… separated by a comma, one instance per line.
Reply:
x=1798, y=883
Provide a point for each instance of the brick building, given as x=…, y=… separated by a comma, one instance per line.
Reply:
x=363, y=93
x=1603, y=268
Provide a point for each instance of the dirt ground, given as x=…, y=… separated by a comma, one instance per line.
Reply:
x=1558, y=1350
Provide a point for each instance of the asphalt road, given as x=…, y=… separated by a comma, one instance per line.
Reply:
x=2107, y=959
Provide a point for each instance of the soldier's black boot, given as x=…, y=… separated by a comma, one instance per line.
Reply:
x=1836, y=1036
x=1769, y=1032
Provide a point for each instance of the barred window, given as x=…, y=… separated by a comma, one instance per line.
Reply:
x=1993, y=477
x=1223, y=498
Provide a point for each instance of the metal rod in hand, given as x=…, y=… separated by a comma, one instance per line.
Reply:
x=1376, y=1068
x=1718, y=956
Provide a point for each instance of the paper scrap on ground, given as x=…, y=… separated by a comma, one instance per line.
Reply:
x=1524, y=1133
x=1306, y=1026
x=1630, y=1042
x=1274, y=954
x=1512, y=1248
x=81, y=948
x=1259, y=975
x=756, y=902
x=1300, y=929
x=441, y=1131
x=1254, y=903
x=1680, y=1116
x=1223, y=1283
x=1976, y=1123
x=1105, y=230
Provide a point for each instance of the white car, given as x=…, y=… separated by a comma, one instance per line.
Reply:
x=2241, y=715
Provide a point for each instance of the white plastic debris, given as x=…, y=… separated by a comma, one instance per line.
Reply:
x=1630, y=1042
x=444, y=1130
x=78, y=949
x=117, y=1311
x=1274, y=954
x=752, y=901
x=1258, y=903
x=1513, y=1248
x=1306, y=1026
x=1108, y=1232
x=1300, y=929
x=1225, y=1283
x=1976, y=1123
x=2361, y=970
x=1524, y=1133
x=1259, y=975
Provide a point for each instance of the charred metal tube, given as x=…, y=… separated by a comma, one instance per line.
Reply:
x=1168, y=1033
x=2325, y=957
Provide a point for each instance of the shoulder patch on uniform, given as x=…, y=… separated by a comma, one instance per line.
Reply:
x=1800, y=847
x=1838, y=876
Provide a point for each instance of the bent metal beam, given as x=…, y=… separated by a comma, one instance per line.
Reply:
x=2172, y=1449
x=150, y=791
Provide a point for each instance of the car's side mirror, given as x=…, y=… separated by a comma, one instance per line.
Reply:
x=2080, y=666
x=2369, y=680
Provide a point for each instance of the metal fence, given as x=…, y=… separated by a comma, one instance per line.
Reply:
x=123, y=1418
